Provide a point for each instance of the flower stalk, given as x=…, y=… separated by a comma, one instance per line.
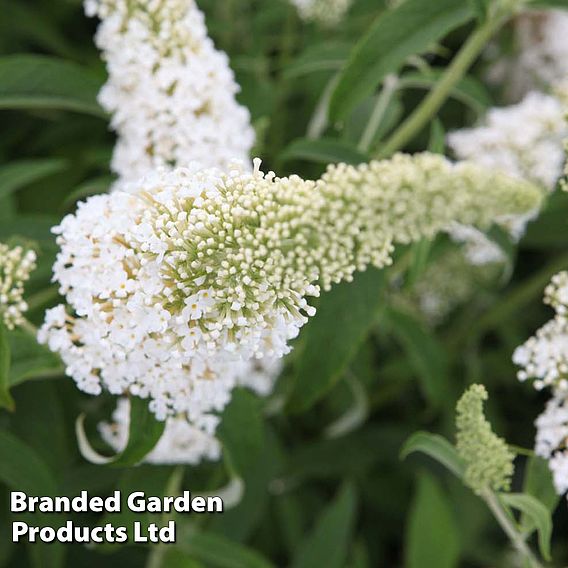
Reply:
x=439, y=94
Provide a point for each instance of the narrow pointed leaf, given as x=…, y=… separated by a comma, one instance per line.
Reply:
x=537, y=512
x=144, y=433
x=436, y=447
x=329, y=542
x=344, y=317
x=432, y=537
x=22, y=469
x=40, y=82
x=219, y=552
x=323, y=151
x=408, y=29
x=16, y=175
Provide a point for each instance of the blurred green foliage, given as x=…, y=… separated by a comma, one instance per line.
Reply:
x=314, y=496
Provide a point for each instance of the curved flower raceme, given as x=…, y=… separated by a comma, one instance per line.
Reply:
x=16, y=265
x=178, y=285
x=326, y=12
x=170, y=92
x=489, y=462
x=523, y=140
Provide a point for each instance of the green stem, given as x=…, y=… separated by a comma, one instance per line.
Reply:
x=438, y=95
x=521, y=451
x=510, y=529
x=390, y=86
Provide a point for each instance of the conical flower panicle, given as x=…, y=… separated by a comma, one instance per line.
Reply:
x=193, y=273
x=489, y=462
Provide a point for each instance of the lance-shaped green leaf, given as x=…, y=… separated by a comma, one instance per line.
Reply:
x=328, y=56
x=344, y=317
x=219, y=552
x=241, y=431
x=22, y=469
x=16, y=175
x=425, y=353
x=329, y=542
x=537, y=512
x=323, y=151
x=144, y=433
x=437, y=448
x=409, y=29
x=39, y=82
x=432, y=539
x=538, y=482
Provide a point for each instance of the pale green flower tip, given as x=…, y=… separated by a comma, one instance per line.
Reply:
x=488, y=459
x=515, y=196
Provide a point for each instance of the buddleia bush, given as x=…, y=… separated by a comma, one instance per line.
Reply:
x=264, y=249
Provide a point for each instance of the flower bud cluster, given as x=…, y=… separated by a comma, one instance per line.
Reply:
x=489, y=462
x=523, y=140
x=16, y=265
x=170, y=92
x=176, y=287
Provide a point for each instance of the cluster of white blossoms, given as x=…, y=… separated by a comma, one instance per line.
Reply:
x=172, y=99
x=16, y=265
x=326, y=12
x=544, y=358
x=170, y=92
x=552, y=440
x=176, y=287
x=524, y=140
x=540, y=56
